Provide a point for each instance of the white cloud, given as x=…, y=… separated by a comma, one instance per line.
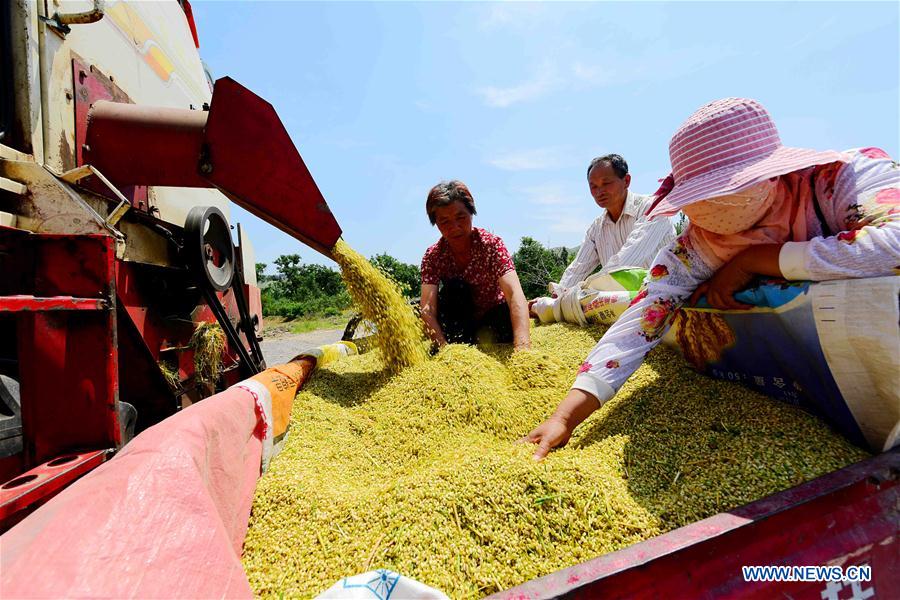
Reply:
x=550, y=194
x=655, y=63
x=593, y=74
x=565, y=223
x=545, y=80
x=512, y=15
x=531, y=160
x=560, y=209
x=424, y=106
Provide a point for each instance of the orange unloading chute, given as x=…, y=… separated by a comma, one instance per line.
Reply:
x=239, y=146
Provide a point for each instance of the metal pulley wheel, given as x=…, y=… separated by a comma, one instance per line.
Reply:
x=208, y=245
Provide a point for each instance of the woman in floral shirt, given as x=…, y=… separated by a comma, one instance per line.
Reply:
x=470, y=289
x=755, y=208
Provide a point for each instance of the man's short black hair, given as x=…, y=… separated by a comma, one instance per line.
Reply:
x=615, y=161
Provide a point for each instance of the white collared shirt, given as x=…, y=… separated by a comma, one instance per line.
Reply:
x=631, y=241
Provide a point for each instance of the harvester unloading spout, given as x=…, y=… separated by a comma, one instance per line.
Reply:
x=239, y=146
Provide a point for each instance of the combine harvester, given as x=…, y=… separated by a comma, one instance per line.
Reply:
x=119, y=159
x=119, y=163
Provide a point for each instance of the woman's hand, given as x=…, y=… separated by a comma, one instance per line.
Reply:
x=552, y=433
x=722, y=286
x=428, y=310
x=736, y=274
x=557, y=429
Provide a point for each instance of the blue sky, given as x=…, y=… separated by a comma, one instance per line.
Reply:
x=384, y=99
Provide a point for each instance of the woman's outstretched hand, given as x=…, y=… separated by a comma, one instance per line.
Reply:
x=736, y=274
x=721, y=287
x=552, y=433
x=557, y=429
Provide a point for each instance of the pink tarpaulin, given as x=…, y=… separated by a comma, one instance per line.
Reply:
x=165, y=518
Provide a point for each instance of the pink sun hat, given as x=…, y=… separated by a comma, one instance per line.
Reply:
x=727, y=146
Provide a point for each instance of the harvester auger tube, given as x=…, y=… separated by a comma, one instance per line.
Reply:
x=239, y=146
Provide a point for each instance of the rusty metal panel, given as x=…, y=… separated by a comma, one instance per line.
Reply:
x=49, y=206
x=28, y=135
x=91, y=86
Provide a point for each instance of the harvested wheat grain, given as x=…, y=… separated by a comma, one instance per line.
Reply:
x=399, y=333
x=418, y=472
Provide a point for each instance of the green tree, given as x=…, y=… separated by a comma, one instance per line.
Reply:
x=537, y=266
x=261, y=273
x=300, y=289
x=289, y=277
x=680, y=223
x=407, y=276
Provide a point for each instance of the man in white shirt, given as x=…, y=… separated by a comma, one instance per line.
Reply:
x=621, y=238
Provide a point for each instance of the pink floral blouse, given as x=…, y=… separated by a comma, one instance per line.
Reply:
x=861, y=200
x=490, y=261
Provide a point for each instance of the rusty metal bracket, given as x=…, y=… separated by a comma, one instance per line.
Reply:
x=60, y=22
x=109, y=223
x=77, y=174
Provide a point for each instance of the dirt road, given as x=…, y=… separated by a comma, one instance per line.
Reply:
x=282, y=347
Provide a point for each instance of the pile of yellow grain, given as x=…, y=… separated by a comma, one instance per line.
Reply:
x=418, y=471
x=399, y=333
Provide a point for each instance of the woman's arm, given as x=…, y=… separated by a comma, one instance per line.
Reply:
x=429, y=308
x=862, y=203
x=557, y=429
x=677, y=271
x=736, y=274
x=518, y=309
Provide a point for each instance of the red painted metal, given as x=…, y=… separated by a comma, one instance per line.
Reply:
x=154, y=324
x=44, y=481
x=849, y=517
x=189, y=13
x=169, y=142
x=157, y=315
x=24, y=302
x=254, y=162
x=240, y=147
x=68, y=359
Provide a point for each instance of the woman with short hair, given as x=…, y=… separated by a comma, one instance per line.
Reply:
x=470, y=290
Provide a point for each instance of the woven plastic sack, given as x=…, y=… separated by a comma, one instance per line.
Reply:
x=381, y=584
x=601, y=298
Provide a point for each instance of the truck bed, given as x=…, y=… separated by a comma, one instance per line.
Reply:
x=848, y=517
